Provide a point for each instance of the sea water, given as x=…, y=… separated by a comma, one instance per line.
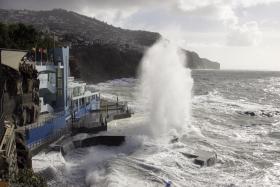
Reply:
x=247, y=146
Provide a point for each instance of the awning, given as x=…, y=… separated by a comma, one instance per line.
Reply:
x=12, y=58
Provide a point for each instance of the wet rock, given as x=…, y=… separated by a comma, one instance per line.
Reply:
x=262, y=113
x=250, y=113
x=174, y=140
x=205, y=158
x=23, y=154
x=275, y=135
x=263, y=164
x=269, y=113
x=26, y=177
x=48, y=174
x=67, y=147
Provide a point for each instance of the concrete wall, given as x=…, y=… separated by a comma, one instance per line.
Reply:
x=65, y=53
x=61, y=57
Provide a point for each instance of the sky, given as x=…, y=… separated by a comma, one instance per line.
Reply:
x=239, y=34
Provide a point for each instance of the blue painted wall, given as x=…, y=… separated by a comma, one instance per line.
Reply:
x=82, y=112
x=85, y=110
x=47, y=129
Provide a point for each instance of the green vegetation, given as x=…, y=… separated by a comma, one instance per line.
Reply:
x=27, y=177
x=20, y=36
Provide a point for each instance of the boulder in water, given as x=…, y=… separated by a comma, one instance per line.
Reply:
x=205, y=158
x=174, y=139
x=250, y=113
x=202, y=158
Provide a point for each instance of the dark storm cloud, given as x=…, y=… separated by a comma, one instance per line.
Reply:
x=73, y=4
x=39, y=4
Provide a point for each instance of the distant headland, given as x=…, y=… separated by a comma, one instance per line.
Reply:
x=99, y=51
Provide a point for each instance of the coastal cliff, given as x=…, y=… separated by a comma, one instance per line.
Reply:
x=99, y=51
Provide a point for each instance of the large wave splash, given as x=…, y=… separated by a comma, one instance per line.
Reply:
x=166, y=88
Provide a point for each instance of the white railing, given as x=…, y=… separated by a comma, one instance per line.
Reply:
x=43, y=68
x=42, y=121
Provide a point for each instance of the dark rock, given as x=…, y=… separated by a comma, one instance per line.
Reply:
x=261, y=113
x=27, y=177
x=205, y=158
x=23, y=153
x=174, y=140
x=202, y=158
x=250, y=113
x=275, y=135
x=48, y=173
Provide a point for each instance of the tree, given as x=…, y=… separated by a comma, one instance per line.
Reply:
x=20, y=36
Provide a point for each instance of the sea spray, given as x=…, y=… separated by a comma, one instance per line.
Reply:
x=166, y=87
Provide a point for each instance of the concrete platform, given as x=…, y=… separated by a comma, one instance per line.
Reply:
x=65, y=146
x=202, y=158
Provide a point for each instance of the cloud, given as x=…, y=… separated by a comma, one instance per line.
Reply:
x=239, y=34
x=113, y=16
x=250, y=3
x=188, y=15
x=189, y=5
x=227, y=15
x=244, y=35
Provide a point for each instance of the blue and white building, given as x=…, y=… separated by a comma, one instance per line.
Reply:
x=61, y=98
x=81, y=101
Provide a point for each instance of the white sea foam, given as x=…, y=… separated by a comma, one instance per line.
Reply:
x=166, y=87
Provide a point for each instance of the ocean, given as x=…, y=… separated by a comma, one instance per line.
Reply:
x=233, y=113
